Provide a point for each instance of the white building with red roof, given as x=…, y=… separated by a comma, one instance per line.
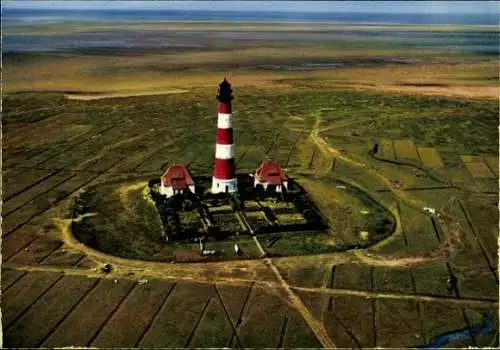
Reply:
x=271, y=173
x=176, y=180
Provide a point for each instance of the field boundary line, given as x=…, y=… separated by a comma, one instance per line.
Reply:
x=271, y=144
x=240, y=158
x=490, y=168
x=430, y=188
x=403, y=230
x=478, y=240
x=155, y=316
x=436, y=229
x=65, y=149
x=4, y=260
x=309, y=165
x=8, y=326
x=91, y=171
x=189, y=141
x=196, y=163
x=282, y=333
x=71, y=309
x=69, y=177
x=316, y=326
x=6, y=160
x=66, y=167
x=422, y=164
x=395, y=155
x=374, y=304
x=110, y=316
x=4, y=290
x=54, y=172
x=485, y=302
x=233, y=327
x=62, y=198
x=243, y=310
x=331, y=309
x=418, y=306
x=197, y=323
x=50, y=254
x=292, y=148
x=76, y=263
x=76, y=145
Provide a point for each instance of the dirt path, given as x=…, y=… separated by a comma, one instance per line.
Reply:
x=399, y=296
x=446, y=221
x=316, y=326
x=274, y=286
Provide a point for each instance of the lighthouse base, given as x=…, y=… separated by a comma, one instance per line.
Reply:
x=224, y=186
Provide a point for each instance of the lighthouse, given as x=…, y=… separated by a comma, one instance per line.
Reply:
x=224, y=178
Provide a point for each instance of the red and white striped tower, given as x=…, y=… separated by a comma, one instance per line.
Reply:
x=224, y=178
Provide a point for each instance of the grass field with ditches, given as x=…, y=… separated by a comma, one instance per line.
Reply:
x=403, y=136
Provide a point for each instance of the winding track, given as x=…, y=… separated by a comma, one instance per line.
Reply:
x=194, y=272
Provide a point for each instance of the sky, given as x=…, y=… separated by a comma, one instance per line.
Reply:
x=430, y=7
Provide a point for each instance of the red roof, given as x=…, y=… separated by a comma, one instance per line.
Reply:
x=178, y=177
x=270, y=171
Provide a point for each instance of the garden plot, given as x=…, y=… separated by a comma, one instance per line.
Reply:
x=89, y=315
x=235, y=299
x=386, y=150
x=31, y=328
x=15, y=184
x=356, y=316
x=227, y=222
x=353, y=276
x=431, y=279
x=397, y=324
x=178, y=317
x=37, y=251
x=389, y=279
x=22, y=294
x=43, y=202
x=430, y=157
x=297, y=334
x=303, y=154
x=309, y=277
x=32, y=193
x=250, y=156
x=476, y=166
x=406, y=150
x=482, y=212
x=291, y=219
x=492, y=162
x=9, y=277
x=190, y=220
x=205, y=333
x=418, y=229
x=63, y=257
x=18, y=240
x=257, y=220
x=263, y=320
x=134, y=314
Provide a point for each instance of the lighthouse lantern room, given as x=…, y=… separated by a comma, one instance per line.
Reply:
x=224, y=178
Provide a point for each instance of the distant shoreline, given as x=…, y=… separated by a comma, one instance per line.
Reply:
x=126, y=15
x=239, y=25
